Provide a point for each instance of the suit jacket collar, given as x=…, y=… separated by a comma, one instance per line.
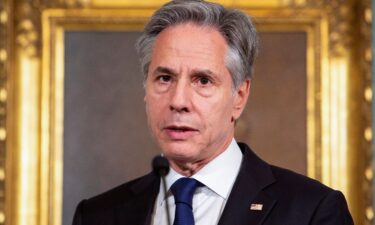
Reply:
x=138, y=209
x=254, y=176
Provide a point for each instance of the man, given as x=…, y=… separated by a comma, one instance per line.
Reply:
x=197, y=58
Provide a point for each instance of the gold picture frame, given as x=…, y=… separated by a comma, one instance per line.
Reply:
x=338, y=105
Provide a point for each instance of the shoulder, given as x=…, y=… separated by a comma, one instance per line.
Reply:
x=298, y=183
x=127, y=203
x=296, y=189
x=276, y=179
x=293, y=192
x=120, y=194
x=309, y=199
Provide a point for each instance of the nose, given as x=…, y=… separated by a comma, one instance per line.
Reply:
x=181, y=97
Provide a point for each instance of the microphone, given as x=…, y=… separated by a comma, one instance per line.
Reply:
x=160, y=167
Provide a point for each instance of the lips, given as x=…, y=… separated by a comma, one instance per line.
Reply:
x=179, y=132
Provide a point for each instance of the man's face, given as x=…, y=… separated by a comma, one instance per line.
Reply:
x=190, y=102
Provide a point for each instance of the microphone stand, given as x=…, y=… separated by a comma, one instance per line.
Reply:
x=166, y=200
x=160, y=166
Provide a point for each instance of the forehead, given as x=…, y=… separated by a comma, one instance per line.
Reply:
x=192, y=29
x=189, y=40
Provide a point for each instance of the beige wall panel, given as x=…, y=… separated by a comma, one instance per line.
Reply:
x=106, y=140
x=275, y=120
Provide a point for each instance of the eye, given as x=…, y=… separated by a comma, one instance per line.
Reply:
x=164, y=78
x=204, y=80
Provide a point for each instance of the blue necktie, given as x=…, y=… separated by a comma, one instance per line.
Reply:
x=183, y=190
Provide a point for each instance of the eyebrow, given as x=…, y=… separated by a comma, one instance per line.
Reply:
x=166, y=70
x=196, y=72
x=203, y=72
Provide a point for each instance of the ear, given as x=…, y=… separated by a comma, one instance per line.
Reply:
x=240, y=98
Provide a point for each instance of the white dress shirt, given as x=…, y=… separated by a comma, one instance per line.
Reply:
x=218, y=176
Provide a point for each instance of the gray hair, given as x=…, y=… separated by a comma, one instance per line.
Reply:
x=235, y=26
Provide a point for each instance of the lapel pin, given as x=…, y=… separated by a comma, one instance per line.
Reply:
x=257, y=207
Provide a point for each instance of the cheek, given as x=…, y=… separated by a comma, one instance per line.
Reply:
x=220, y=106
x=216, y=113
x=154, y=109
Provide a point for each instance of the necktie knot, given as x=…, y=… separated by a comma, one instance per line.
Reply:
x=183, y=190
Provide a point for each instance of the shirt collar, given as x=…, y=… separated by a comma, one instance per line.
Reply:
x=226, y=165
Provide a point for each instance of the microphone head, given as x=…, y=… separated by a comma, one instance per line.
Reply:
x=160, y=166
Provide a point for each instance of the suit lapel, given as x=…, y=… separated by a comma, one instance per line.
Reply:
x=138, y=208
x=248, y=203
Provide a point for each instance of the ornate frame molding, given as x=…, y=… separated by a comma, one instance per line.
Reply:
x=339, y=90
x=5, y=69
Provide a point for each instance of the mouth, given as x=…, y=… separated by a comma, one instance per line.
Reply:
x=180, y=132
x=180, y=128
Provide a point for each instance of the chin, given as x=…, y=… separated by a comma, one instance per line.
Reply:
x=179, y=152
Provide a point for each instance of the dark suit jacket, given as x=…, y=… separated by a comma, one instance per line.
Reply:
x=287, y=198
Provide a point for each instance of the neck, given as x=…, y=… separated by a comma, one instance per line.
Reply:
x=188, y=168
